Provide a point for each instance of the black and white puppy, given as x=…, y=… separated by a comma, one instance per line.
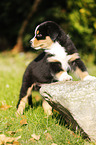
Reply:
x=59, y=56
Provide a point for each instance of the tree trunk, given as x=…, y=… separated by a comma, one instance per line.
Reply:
x=19, y=45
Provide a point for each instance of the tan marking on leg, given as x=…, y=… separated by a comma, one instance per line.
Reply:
x=23, y=101
x=73, y=57
x=52, y=59
x=81, y=74
x=21, y=106
x=47, y=108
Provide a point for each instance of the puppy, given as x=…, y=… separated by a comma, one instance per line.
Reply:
x=58, y=57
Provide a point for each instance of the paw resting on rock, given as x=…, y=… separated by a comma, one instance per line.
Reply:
x=89, y=78
x=65, y=77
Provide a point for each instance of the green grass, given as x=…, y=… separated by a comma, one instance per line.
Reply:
x=11, y=70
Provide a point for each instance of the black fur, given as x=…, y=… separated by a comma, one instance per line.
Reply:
x=38, y=71
x=78, y=63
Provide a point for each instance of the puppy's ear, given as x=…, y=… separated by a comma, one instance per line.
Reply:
x=53, y=31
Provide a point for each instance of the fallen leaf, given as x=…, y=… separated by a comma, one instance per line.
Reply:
x=32, y=139
x=5, y=107
x=53, y=144
x=37, y=98
x=37, y=137
x=4, y=139
x=16, y=143
x=69, y=142
x=23, y=122
x=48, y=136
x=23, y=116
x=11, y=132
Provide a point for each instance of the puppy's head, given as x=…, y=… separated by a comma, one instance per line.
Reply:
x=45, y=34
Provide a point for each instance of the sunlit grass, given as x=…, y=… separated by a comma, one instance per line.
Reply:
x=11, y=70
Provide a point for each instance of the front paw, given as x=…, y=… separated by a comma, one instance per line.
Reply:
x=89, y=78
x=65, y=77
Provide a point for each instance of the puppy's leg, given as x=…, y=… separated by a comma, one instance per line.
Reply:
x=61, y=75
x=47, y=108
x=22, y=101
x=73, y=57
x=30, y=101
x=78, y=66
x=25, y=92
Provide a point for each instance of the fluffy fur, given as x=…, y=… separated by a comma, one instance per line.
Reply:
x=58, y=57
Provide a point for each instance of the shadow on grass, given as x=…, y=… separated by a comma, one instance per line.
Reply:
x=35, y=105
x=60, y=119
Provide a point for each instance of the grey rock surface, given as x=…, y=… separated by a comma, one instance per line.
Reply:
x=76, y=100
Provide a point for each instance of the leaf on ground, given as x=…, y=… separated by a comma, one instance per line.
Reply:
x=23, y=116
x=16, y=143
x=11, y=132
x=5, y=107
x=32, y=139
x=69, y=142
x=23, y=122
x=36, y=137
x=14, y=132
x=4, y=139
x=37, y=98
x=48, y=136
x=75, y=135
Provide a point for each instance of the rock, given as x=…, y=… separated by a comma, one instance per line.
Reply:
x=76, y=100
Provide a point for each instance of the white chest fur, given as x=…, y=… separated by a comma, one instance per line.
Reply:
x=59, y=54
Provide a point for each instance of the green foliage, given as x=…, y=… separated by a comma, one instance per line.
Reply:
x=77, y=18
x=82, y=21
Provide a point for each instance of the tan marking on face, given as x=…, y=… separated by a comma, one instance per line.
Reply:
x=46, y=43
x=37, y=32
x=81, y=74
x=24, y=101
x=73, y=57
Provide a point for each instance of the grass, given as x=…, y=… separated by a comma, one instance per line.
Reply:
x=51, y=130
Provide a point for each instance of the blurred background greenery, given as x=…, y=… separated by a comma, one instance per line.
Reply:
x=18, y=19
